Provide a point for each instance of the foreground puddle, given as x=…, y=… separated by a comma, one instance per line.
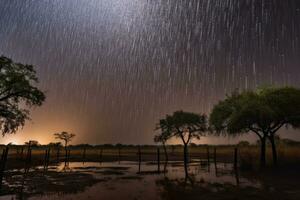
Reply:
x=127, y=180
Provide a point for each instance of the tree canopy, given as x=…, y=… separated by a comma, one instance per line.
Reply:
x=65, y=136
x=184, y=125
x=263, y=112
x=17, y=91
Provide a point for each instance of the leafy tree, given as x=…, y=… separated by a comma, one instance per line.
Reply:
x=17, y=91
x=66, y=138
x=285, y=104
x=262, y=112
x=186, y=126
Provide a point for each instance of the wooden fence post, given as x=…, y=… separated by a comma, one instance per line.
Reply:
x=215, y=154
x=215, y=160
x=100, y=155
x=22, y=151
x=3, y=164
x=69, y=155
x=235, y=158
x=83, y=155
x=47, y=158
x=28, y=156
x=207, y=153
x=173, y=149
x=57, y=154
x=119, y=152
x=139, y=157
x=158, y=160
x=235, y=166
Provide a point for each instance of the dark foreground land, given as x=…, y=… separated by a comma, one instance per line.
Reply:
x=116, y=173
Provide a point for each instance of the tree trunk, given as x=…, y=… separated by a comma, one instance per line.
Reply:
x=274, y=151
x=263, y=152
x=66, y=155
x=166, y=153
x=185, y=159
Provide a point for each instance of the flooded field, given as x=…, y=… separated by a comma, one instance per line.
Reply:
x=129, y=180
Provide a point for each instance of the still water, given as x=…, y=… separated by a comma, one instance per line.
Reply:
x=118, y=180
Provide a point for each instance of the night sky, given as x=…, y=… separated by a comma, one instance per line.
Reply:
x=112, y=68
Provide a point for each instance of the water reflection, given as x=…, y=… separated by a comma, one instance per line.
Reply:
x=114, y=180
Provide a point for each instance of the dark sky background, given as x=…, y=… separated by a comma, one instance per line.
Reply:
x=112, y=68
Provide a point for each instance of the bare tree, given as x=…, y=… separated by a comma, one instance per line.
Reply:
x=66, y=137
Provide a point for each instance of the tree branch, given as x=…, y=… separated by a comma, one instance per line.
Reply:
x=182, y=138
x=276, y=128
x=256, y=132
x=189, y=137
x=11, y=95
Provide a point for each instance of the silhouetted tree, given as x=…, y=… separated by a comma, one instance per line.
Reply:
x=262, y=112
x=32, y=143
x=243, y=143
x=163, y=136
x=186, y=126
x=55, y=144
x=17, y=90
x=66, y=138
